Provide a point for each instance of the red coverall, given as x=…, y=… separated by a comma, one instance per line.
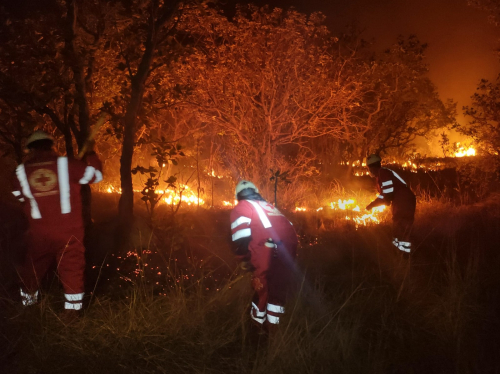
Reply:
x=273, y=264
x=393, y=189
x=50, y=185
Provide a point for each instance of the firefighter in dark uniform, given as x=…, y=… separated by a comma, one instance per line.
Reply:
x=266, y=243
x=394, y=191
x=49, y=186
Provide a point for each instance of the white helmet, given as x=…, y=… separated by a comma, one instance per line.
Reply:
x=38, y=135
x=243, y=185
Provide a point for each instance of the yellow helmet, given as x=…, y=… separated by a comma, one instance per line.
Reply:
x=243, y=185
x=372, y=159
x=38, y=135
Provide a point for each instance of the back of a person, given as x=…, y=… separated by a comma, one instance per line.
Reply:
x=403, y=199
x=55, y=191
x=278, y=226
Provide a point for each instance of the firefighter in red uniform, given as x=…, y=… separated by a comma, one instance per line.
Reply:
x=394, y=191
x=49, y=186
x=266, y=242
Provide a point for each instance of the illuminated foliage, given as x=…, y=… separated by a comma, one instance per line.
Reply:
x=484, y=117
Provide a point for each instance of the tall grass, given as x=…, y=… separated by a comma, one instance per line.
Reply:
x=360, y=308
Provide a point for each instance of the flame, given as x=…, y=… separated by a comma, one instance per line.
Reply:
x=188, y=197
x=463, y=151
x=355, y=215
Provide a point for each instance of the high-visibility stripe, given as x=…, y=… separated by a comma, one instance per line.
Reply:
x=257, y=315
x=263, y=218
x=29, y=298
x=275, y=308
x=397, y=176
x=388, y=190
x=21, y=199
x=63, y=176
x=74, y=296
x=240, y=220
x=273, y=319
x=244, y=233
x=98, y=176
x=380, y=197
x=16, y=193
x=87, y=175
x=386, y=183
x=25, y=186
x=73, y=306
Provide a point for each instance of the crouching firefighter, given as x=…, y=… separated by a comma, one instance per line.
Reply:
x=49, y=186
x=394, y=191
x=266, y=243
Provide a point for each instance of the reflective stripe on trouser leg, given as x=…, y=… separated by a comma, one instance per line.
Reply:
x=404, y=246
x=274, y=312
x=73, y=301
x=395, y=242
x=29, y=298
x=257, y=315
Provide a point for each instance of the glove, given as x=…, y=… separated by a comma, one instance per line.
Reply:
x=247, y=266
x=369, y=206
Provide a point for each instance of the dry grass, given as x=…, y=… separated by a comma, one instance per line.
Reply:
x=360, y=308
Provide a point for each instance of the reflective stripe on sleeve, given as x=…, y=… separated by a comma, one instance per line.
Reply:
x=25, y=186
x=87, y=175
x=16, y=193
x=238, y=221
x=388, y=190
x=380, y=197
x=63, y=176
x=263, y=218
x=387, y=183
x=98, y=176
x=244, y=233
x=275, y=308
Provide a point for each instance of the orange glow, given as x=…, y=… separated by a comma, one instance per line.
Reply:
x=463, y=151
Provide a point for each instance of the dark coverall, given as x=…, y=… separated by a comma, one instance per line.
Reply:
x=394, y=191
x=253, y=223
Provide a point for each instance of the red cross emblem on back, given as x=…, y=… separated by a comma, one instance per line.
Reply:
x=43, y=180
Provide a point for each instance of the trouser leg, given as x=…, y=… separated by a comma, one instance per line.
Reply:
x=402, y=233
x=71, y=268
x=32, y=270
x=259, y=301
x=281, y=281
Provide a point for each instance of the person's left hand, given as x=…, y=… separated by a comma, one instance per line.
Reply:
x=246, y=266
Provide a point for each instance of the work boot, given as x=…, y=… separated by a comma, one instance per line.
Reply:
x=69, y=316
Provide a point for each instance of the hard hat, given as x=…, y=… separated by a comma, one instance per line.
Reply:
x=38, y=135
x=372, y=159
x=243, y=185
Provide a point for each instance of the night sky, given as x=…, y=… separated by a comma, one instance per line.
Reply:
x=461, y=42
